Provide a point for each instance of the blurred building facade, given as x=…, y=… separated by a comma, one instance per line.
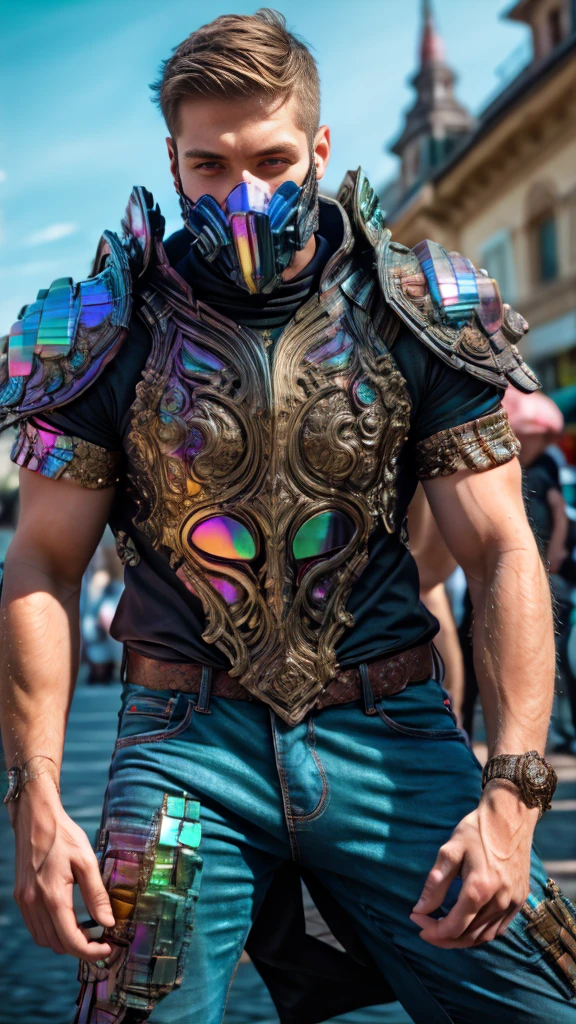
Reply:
x=502, y=188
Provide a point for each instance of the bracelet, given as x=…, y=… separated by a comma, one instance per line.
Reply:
x=19, y=776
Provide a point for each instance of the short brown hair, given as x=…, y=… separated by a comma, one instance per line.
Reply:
x=237, y=56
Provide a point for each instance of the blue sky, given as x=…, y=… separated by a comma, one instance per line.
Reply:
x=79, y=130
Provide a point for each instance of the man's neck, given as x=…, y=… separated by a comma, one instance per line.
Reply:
x=301, y=259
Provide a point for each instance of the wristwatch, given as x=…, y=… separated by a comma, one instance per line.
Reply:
x=534, y=776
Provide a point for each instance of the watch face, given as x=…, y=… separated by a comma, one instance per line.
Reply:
x=535, y=773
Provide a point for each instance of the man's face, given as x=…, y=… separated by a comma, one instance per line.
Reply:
x=221, y=144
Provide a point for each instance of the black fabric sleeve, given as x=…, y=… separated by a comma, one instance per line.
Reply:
x=442, y=397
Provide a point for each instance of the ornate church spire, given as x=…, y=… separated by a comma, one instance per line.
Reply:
x=436, y=120
x=432, y=45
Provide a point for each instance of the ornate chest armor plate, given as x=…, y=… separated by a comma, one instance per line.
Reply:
x=264, y=473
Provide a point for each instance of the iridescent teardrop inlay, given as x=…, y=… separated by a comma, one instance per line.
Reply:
x=321, y=534
x=365, y=393
x=224, y=537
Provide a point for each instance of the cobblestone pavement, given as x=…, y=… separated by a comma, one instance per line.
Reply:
x=36, y=985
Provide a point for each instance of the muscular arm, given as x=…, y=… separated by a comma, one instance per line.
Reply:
x=435, y=564
x=482, y=519
x=59, y=526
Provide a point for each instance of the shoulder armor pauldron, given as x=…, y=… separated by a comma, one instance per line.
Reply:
x=453, y=308
x=62, y=341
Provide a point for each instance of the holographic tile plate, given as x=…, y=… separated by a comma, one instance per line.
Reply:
x=458, y=289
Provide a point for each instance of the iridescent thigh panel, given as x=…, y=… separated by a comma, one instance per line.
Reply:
x=152, y=873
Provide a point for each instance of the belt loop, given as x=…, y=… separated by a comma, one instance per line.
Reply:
x=437, y=665
x=203, y=705
x=367, y=694
x=124, y=664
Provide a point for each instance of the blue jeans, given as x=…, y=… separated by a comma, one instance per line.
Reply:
x=363, y=802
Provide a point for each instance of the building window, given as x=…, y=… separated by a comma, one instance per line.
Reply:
x=546, y=249
x=411, y=163
x=555, y=26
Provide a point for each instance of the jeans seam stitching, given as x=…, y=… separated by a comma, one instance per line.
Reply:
x=142, y=738
x=323, y=801
x=288, y=815
x=430, y=734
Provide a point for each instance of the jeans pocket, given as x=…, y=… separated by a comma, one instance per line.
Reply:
x=421, y=711
x=152, y=716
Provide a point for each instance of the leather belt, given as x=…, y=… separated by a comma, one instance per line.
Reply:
x=387, y=676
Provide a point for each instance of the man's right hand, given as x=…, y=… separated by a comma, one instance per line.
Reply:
x=52, y=853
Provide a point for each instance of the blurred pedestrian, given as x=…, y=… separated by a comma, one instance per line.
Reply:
x=102, y=589
x=538, y=424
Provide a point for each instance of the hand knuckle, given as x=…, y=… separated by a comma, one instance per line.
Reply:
x=86, y=859
x=100, y=897
x=447, y=855
x=29, y=897
x=477, y=892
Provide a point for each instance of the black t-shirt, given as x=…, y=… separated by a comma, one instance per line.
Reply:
x=158, y=616
x=539, y=478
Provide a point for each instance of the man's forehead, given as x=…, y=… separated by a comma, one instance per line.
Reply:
x=211, y=124
x=226, y=147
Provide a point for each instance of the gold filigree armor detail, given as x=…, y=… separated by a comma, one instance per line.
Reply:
x=223, y=428
x=479, y=445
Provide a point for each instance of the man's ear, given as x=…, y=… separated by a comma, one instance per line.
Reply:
x=322, y=150
x=173, y=157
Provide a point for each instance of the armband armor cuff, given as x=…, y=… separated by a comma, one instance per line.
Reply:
x=44, y=450
x=479, y=445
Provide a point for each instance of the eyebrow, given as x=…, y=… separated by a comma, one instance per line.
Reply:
x=285, y=148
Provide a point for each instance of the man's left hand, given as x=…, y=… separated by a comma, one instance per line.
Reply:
x=490, y=851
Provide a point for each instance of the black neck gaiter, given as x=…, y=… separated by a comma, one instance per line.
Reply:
x=262, y=312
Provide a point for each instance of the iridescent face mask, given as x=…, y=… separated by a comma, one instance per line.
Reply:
x=256, y=236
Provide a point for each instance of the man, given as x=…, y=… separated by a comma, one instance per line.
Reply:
x=251, y=413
